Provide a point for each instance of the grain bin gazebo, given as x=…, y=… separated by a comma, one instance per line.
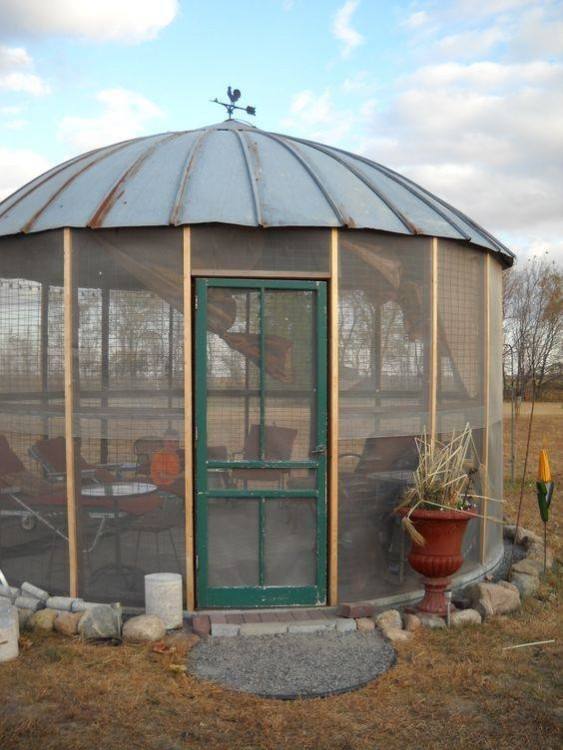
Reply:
x=273, y=318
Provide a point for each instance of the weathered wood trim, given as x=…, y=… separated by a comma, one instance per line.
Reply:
x=433, y=363
x=70, y=343
x=333, y=421
x=486, y=397
x=188, y=424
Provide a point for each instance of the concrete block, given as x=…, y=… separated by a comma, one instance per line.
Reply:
x=29, y=602
x=224, y=629
x=9, y=632
x=311, y=626
x=28, y=589
x=9, y=592
x=345, y=625
x=163, y=598
x=62, y=603
x=263, y=628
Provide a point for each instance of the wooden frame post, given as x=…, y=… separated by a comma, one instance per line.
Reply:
x=188, y=422
x=433, y=363
x=486, y=397
x=70, y=347
x=333, y=421
x=44, y=354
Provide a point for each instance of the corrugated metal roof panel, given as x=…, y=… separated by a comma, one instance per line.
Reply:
x=232, y=173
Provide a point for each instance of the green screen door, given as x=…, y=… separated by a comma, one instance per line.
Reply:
x=261, y=425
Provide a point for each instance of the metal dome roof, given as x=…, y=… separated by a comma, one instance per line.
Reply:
x=232, y=173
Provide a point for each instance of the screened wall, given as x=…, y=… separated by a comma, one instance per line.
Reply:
x=401, y=370
x=33, y=516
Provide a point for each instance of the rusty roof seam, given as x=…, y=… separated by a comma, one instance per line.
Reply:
x=187, y=172
x=42, y=179
x=462, y=216
x=394, y=177
x=243, y=142
x=342, y=219
x=365, y=179
x=109, y=201
x=108, y=152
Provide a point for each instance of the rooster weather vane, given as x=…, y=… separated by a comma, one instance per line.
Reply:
x=234, y=96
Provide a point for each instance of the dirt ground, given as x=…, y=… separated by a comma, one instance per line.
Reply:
x=449, y=689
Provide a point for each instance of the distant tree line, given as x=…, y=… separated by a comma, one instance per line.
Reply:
x=533, y=327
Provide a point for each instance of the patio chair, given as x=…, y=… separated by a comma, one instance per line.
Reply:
x=31, y=508
x=278, y=446
x=51, y=454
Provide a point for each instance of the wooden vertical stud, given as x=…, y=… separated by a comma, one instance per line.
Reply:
x=486, y=396
x=70, y=334
x=188, y=422
x=333, y=420
x=433, y=363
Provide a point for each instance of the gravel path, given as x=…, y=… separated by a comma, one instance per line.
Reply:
x=293, y=666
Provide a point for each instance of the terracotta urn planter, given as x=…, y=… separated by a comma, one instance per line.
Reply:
x=440, y=557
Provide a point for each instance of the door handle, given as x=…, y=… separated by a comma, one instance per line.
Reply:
x=319, y=450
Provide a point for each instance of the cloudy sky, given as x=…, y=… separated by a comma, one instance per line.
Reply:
x=463, y=96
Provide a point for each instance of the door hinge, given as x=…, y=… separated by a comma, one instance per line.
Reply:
x=196, y=434
x=196, y=302
x=197, y=562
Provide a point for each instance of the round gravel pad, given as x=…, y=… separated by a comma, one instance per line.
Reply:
x=293, y=666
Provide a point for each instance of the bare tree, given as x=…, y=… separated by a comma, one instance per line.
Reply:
x=532, y=323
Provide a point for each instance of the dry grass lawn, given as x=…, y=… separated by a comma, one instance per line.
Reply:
x=448, y=690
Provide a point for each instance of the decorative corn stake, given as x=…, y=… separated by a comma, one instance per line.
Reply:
x=545, y=487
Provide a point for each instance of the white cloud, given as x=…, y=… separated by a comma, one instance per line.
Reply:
x=288, y=4
x=343, y=30
x=125, y=114
x=100, y=20
x=15, y=72
x=18, y=166
x=417, y=19
x=361, y=82
x=316, y=116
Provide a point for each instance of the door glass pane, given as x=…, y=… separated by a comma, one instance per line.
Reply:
x=290, y=542
x=289, y=343
x=233, y=375
x=232, y=538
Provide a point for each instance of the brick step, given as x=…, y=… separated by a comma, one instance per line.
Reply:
x=262, y=622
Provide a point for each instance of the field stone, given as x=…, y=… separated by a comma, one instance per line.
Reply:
x=395, y=635
x=461, y=617
x=365, y=624
x=493, y=599
x=527, y=585
x=528, y=567
x=99, y=622
x=391, y=618
x=412, y=623
x=536, y=552
x=143, y=629
x=42, y=621
x=434, y=622
x=66, y=623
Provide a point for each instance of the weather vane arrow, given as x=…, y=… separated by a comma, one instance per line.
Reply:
x=234, y=96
